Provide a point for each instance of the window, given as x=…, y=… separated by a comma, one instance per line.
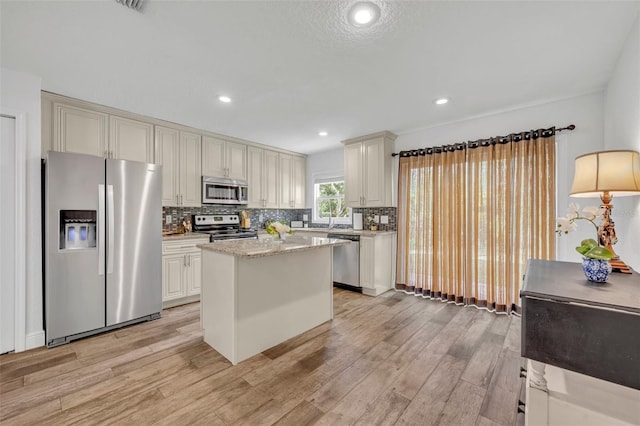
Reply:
x=328, y=201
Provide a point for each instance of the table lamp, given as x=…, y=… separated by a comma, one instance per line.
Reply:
x=605, y=174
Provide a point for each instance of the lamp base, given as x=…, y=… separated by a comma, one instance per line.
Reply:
x=618, y=265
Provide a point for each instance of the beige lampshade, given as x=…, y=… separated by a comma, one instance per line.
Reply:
x=615, y=171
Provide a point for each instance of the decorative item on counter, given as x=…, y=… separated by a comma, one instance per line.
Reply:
x=373, y=224
x=595, y=263
x=245, y=219
x=279, y=228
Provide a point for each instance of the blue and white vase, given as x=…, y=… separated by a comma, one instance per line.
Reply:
x=596, y=270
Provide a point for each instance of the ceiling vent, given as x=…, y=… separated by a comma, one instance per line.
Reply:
x=133, y=4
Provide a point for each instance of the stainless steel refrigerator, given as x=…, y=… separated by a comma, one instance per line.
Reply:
x=103, y=244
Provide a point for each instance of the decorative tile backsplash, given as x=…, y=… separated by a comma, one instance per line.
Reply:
x=260, y=216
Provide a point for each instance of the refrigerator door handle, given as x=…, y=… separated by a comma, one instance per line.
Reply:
x=101, y=223
x=110, y=229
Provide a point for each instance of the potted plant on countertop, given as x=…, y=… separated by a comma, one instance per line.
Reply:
x=279, y=228
x=595, y=261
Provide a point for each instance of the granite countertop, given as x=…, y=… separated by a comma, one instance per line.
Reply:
x=261, y=248
x=185, y=236
x=348, y=231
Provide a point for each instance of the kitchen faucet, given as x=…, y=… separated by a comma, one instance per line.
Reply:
x=330, y=215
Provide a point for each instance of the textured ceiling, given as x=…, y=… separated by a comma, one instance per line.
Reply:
x=294, y=68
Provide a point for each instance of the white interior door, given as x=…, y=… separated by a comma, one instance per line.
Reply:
x=7, y=243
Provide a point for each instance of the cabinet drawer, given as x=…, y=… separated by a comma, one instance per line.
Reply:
x=182, y=246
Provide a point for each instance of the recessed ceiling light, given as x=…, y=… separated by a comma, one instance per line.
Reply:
x=363, y=14
x=322, y=133
x=224, y=99
x=441, y=101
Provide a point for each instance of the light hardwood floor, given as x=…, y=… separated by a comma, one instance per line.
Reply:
x=394, y=359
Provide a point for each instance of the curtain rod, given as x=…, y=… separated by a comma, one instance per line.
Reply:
x=515, y=137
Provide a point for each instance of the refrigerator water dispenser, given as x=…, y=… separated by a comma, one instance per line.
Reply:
x=77, y=229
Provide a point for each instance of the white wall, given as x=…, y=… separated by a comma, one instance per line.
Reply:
x=21, y=92
x=622, y=131
x=323, y=164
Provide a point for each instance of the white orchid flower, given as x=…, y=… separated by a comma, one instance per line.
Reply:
x=592, y=212
x=573, y=211
x=565, y=225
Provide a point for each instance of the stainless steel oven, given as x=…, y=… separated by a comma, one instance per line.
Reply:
x=224, y=191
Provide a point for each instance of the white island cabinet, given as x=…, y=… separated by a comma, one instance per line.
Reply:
x=257, y=294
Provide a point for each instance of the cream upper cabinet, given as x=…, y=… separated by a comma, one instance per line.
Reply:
x=222, y=158
x=299, y=181
x=79, y=130
x=190, y=170
x=292, y=181
x=262, y=176
x=179, y=154
x=85, y=131
x=131, y=139
x=368, y=170
x=286, y=195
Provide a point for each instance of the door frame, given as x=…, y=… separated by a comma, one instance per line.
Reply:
x=19, y=233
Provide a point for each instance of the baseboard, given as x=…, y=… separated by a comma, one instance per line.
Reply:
x=34, y=340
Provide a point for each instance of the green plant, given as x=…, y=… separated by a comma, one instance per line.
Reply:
x=589, y=247
x=281, y=227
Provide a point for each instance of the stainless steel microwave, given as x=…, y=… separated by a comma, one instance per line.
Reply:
x=224, y=191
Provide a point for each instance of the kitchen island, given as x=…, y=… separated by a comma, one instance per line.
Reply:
x=259, y=293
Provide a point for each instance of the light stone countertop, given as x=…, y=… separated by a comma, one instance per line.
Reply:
x=347, y=231
x=185, y=236
x=261, y=248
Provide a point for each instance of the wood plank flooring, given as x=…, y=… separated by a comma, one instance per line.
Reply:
x=394, y=359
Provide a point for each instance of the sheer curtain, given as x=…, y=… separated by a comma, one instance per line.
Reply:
x=470, y=215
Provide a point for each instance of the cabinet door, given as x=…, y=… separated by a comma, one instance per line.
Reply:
x=130, y=139
x=213, y=157
x=190, y=170
x=194, y=276
x=255, y=158
x=373, y=185
x=173, y=273
x=298, y=183
x=167, y=154
x=79, y=130
x=353, y=175
x=271, y=175
x=236, y=160
x=286, y=194
x=367, y=262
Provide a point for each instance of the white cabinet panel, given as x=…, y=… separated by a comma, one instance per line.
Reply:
x=299, y=182
x=271, y=174
x=190, y=175
x=224, y=159
x=368, y=170
x=80, y=130
x=194, y=273
x=263, y=174
x=179, y=154
x=286, y=195
x=173, y=282
x=131, y=139
x=167, y=154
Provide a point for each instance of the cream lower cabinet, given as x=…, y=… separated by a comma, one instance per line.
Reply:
x=181, y=271
x=262, y=176
x=368, y=170
x=377, y=263
x=179, y=154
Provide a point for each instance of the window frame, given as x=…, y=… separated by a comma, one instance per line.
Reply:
x=323, y=179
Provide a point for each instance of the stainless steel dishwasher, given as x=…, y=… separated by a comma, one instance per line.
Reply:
x=346, y=262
